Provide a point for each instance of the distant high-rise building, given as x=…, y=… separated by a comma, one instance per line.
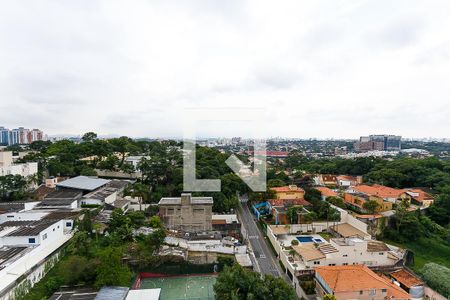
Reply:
x=20, y=135
x=4, y=136
x=378, y=142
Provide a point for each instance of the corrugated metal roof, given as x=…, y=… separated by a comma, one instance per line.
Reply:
x=112, y=293
x=83, y=183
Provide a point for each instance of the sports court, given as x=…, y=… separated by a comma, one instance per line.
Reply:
x=182, y=287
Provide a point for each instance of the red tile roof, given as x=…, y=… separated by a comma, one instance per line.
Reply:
x=286, y=189
x=378, y=190
x=326, y=191
x=406, y=278
x=418, y=194
x=356, y=278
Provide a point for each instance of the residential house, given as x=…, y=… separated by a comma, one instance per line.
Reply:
x=326, y=179
x=345, y=181
x=290, y=192
x=387, y=193
x=279, y=208
x=418, y=197
x=356, y=282
x=357, y=200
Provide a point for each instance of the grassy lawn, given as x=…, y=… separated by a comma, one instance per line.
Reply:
x=427, y=250
x=325, y=235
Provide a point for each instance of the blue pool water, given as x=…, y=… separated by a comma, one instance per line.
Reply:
x=308, y=239
x=305, y=239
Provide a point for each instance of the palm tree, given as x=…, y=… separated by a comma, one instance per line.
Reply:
x=139, y=190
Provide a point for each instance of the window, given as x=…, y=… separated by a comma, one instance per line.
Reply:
x=372, y=292
x=317, y=262
x=44, y=236
x=345, y=255
x=381, y=253
x=383, y=290
x=361, y=292
x=345, y=264
x=31, y=240
x=68, y=224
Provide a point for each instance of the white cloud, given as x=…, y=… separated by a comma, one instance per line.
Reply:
x=320, y=69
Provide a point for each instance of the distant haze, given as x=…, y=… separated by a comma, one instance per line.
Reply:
x=315, y=68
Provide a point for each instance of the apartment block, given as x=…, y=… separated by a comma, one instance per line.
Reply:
x=187, y=213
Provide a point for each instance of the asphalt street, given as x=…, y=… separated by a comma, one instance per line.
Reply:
x=265, y=258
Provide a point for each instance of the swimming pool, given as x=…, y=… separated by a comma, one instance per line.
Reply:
x=305, y=239
x=308, y=239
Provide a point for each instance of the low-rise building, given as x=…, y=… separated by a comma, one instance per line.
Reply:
x=30, y=243
x=418, y=197
x=290, y=192
x=227, y=225
x=186, y=213
x=387, y=193
x=301, y=248
x=355, y=282
x=345, y=181
x=357, y=200
x=326, y=179
x=8, y=167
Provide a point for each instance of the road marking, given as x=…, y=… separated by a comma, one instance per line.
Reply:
x=262, y=256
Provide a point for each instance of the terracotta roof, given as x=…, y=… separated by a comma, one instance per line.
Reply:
x=356, y=278
x=418, y=194
x=347, y=230
x=283, y=202
x=378, y=190
x=405, y=278
x=376, y=246
x=286, y=189
x=326, y=191
x=308, y=252
x=347, y=177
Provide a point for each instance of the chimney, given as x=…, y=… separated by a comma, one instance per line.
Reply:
x=186, y=198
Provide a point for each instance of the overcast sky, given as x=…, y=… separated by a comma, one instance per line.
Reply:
x=308, y=68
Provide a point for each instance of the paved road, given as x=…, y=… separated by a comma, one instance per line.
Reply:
x=264, y=256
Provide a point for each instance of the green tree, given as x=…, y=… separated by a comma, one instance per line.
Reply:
x=89, y=137
x=234, y=282
x=76, y=269
x=336, y=201
x=111, y=270
x=292, y=213
x=371, y=206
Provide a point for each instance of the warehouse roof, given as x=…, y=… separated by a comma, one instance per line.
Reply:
x=83, y=183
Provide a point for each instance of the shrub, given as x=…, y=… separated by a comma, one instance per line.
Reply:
x=437, y=277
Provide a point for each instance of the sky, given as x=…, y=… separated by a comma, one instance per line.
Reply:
x=304, y=69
